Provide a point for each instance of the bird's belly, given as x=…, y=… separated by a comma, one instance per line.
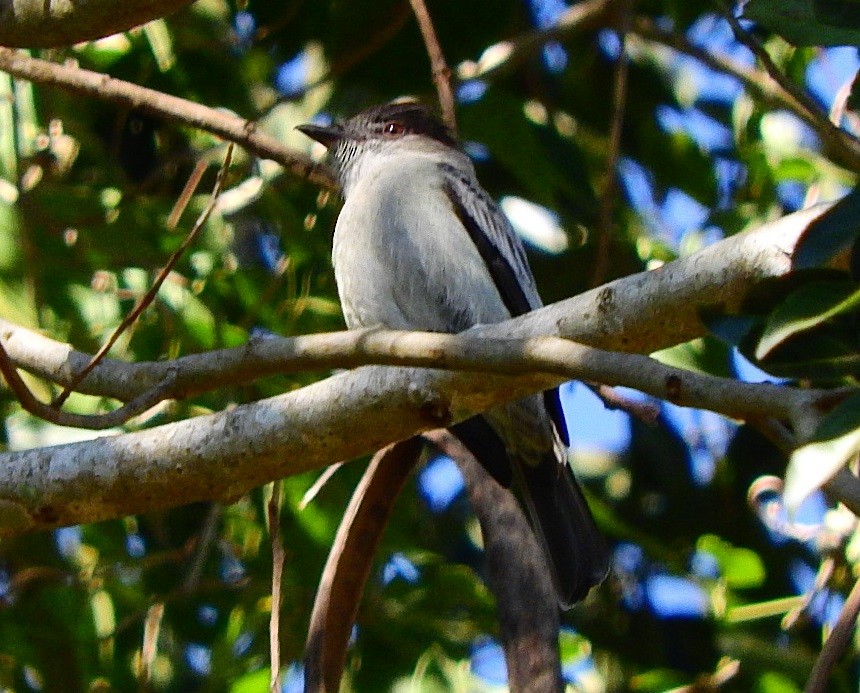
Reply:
x=392, y=272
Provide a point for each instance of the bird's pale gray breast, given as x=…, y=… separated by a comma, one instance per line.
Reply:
x=403, y=259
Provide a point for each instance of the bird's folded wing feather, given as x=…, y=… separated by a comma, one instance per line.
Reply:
x=505, y=258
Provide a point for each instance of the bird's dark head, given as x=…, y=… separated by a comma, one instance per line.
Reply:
x=394, y=127
x=385, y=123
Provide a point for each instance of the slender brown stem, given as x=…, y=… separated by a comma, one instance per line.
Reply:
x=619, y=101
x=646, y=412
x=841, y=148
x=839, y=639
x=517, y=573
x=274, y=511
x=202, y=547
x=185, y=196
x=440, y=69
x=349, y=561
x=95, y=422
x=151, y=629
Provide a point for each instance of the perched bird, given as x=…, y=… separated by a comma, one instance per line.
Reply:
x=419, y=245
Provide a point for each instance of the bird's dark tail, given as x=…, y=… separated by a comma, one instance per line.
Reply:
x=575, y=549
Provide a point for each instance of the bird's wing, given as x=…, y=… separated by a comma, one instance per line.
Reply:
x=492, y=234
x=505, y=258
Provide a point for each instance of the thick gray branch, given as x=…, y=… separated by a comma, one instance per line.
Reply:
x=640, y=313
x=40, y=24
x=225, y=454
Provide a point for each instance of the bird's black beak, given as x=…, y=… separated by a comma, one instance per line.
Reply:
x=324, y=134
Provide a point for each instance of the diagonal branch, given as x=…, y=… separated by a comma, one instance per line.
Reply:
x=273, y=510
x=438, y=66
x=817, y=117
x=525, y=597
x=839, y=639
x=841, y=147
x=349, y=562
x=223, y=455
x=243, y=132
x=640, y=313
x=40, y=24
x=609, y=194
x=487, y=350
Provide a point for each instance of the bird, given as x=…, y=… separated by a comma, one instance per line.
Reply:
x=420, y=245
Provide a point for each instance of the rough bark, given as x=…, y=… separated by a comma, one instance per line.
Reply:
x=40, y=24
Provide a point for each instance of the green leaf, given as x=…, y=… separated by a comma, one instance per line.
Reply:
x=741, y=568
x=835, y=441
x=705, y=355
x=795, y=168
x=808, y=22
x=806, y=308
x=659, y=680
x=774, y=682
x=8, y=151
x=830, y=233
x=572, y=647
x=195, y=315
x=253, y=682
x=814, y=356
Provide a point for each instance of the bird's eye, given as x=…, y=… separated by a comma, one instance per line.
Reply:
x=393, y=128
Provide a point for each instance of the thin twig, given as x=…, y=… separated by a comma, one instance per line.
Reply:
x=149, y=296
x=822, y=577
x=760, y=52
x=823, y=126
x=151, y=629
x=839, y=639
x=619, y=101
x=576, y=19
x=202, y=547
x=94, y=422
x=369, y=45
x=349, y=561
x=471, y=351
x=727, y=669
x=440, y=69
x=842, y=148
x=274, y=515
x=321, y=481
x=185, y=196
x=646, y=412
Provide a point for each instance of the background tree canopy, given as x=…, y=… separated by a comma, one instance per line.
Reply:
x=617, y=136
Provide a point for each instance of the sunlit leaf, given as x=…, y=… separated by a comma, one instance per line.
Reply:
x=805, y=308
x=104, y=617
x=253, y=682
x=195, y=315
x=834, y=443
x=741, y=568
x=705, y=355
x=573, y=646
x=775, y=682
